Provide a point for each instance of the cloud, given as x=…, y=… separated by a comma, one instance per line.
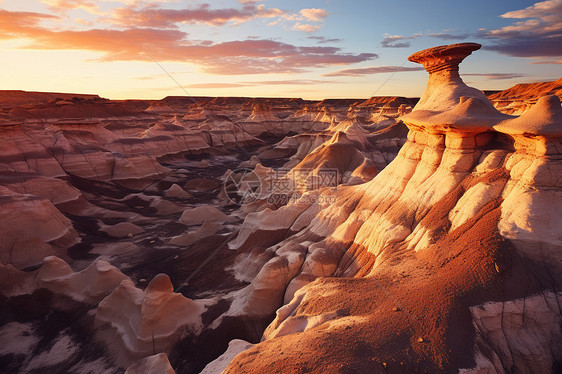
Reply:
x=547, y=62
x=305, y=82
x=537, y=10
x=151, y=16
x=17, y=23
x=393, y=41
x=447, y=36
x=216, y=85
x=84, y=22
x=314, y=14
x=400, y=41
x=323, y=40
x=265, y=56
x=63, y=6
x=257, y=56
x=496, y=76
x=371, y=70
x=308, y=15
x=159, y=76
x=290, y=82
x=538, y=34
x=306, y=27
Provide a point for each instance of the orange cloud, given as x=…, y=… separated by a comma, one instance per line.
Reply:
x=156, y=17
x=306, y=27
x=143, y=44
x=18, y=23
x=314, y=14
x=290, y=82
x=217, y=85
x=65, y=5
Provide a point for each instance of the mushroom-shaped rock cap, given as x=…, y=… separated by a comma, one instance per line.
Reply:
x=542, y=119
x=444, y=57
x=447, y=101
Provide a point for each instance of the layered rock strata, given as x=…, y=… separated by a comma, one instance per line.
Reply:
x=391, y=277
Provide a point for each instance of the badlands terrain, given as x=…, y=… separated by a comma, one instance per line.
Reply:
x=268, y=235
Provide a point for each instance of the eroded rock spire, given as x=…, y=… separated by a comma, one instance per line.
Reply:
x=447, y=101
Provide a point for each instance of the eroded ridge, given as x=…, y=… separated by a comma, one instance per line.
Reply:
x=409, y=270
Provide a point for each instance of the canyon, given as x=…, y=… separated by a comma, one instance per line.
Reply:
x=282, y=235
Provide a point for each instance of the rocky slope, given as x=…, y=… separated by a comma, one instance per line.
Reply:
x=447, y=260
x=282, y=235
x=98, y=198
x=521, y=97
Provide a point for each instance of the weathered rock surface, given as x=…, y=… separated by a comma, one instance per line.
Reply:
x=234, y=347
x=134, y=323
x=90, y=285
x=157, y=364
x=380, y=235
x=32, y=228
x=463, y=216
x=521, y=97
x=83, y=177
x=524, y=334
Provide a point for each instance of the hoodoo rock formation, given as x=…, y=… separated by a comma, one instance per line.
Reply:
x=253, y=235
x=448, y=259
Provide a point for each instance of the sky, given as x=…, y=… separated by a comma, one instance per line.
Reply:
x=312, y=49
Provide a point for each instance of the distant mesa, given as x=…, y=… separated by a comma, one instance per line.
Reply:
x=521, y=97
x=12, y=98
